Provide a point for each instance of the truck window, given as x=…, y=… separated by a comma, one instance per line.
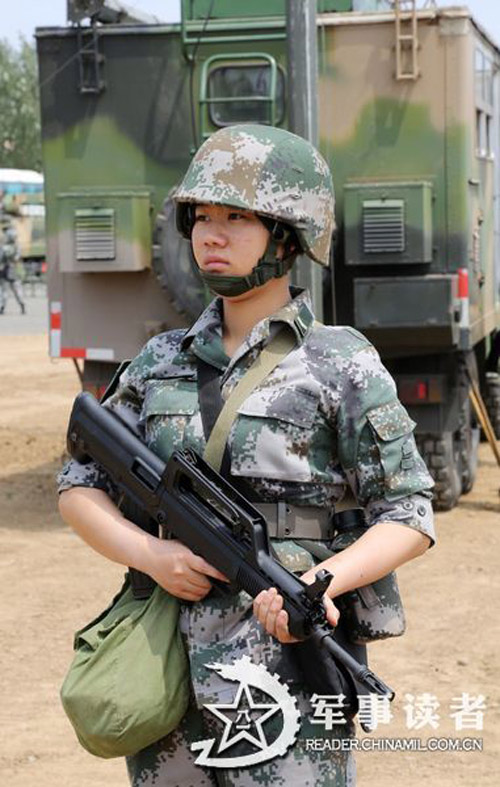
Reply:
x=241, y=83
x=484, y=102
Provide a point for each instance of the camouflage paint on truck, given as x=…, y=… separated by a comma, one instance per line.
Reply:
x=406, y=147
x=382, y=136
x=413, y=143
x=112, y=153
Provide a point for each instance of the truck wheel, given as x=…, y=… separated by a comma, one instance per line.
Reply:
x=175, y=267
x=468, y=446
x=492, y=400
x=442, y=456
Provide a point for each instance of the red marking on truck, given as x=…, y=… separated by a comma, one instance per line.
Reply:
x=55, y=329
x=463, y=283
x=55, y=321
x=73, y=352
x=463, y=296
x=56, y=351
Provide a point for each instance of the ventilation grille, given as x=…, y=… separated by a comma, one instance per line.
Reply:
x=95, y=234
x=383, y=226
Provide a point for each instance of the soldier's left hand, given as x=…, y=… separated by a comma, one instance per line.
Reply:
x=268, y=609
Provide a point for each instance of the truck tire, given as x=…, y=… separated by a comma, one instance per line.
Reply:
x=441, y=454
x=492, y=400
x=174, y=265
x=468, y=437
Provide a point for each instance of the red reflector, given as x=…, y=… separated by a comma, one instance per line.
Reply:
x=414, y=391
x=463, y=283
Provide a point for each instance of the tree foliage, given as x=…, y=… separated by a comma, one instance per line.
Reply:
x=20, y=142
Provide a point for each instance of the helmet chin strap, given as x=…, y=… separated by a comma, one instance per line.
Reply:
x=267, y=268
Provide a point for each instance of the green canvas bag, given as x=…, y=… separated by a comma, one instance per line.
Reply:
x=128, y=684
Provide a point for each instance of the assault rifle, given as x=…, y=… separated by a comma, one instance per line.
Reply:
x=203, y=510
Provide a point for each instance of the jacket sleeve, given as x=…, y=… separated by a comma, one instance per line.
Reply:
x=125, y=400
x=377, y=448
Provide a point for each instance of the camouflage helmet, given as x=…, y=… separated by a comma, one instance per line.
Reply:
x=269, y=171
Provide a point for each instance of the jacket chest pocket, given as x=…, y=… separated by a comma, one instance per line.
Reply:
x=272, y=435
x=169, y=416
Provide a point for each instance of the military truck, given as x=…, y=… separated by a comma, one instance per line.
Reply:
x=408, y=119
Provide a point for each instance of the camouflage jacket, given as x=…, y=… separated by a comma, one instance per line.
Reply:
x=327, y=418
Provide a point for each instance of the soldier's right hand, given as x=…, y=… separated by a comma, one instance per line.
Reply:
x=177, y=569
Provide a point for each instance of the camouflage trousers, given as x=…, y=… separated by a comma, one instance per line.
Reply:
x=14, y=285
x=223, y=630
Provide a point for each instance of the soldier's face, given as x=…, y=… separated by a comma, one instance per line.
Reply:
x=226, y=240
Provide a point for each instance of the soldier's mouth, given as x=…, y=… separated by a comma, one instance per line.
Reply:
x=215, y=264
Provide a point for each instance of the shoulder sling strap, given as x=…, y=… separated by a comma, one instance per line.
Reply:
x=266, y=361
x=284, y=521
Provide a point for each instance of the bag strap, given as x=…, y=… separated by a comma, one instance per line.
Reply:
x=209, y=395
x=266, y=361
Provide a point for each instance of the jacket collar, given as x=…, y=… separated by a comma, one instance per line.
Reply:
x=298, y=314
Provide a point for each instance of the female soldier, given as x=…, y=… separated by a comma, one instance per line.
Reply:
x=325, y=420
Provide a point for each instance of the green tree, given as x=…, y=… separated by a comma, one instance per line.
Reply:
x=20, y=142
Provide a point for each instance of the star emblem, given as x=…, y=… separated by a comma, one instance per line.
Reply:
x=241, y=708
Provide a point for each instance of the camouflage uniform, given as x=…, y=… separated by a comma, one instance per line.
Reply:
x=324, y=420
x=9, y=255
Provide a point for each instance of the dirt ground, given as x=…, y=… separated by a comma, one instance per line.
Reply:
x=51, y=584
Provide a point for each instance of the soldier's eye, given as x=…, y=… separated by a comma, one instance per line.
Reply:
x=235, y=216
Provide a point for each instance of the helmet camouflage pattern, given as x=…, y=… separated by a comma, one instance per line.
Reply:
x=270, y=171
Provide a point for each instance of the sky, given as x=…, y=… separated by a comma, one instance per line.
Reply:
x=23, y=16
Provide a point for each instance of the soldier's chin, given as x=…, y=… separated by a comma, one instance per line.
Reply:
x=217, y=268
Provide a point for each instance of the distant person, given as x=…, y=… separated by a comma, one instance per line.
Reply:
x=9, y=280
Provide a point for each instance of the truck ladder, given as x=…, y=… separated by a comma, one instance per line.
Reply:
x=90, y=60
x=406, y=39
